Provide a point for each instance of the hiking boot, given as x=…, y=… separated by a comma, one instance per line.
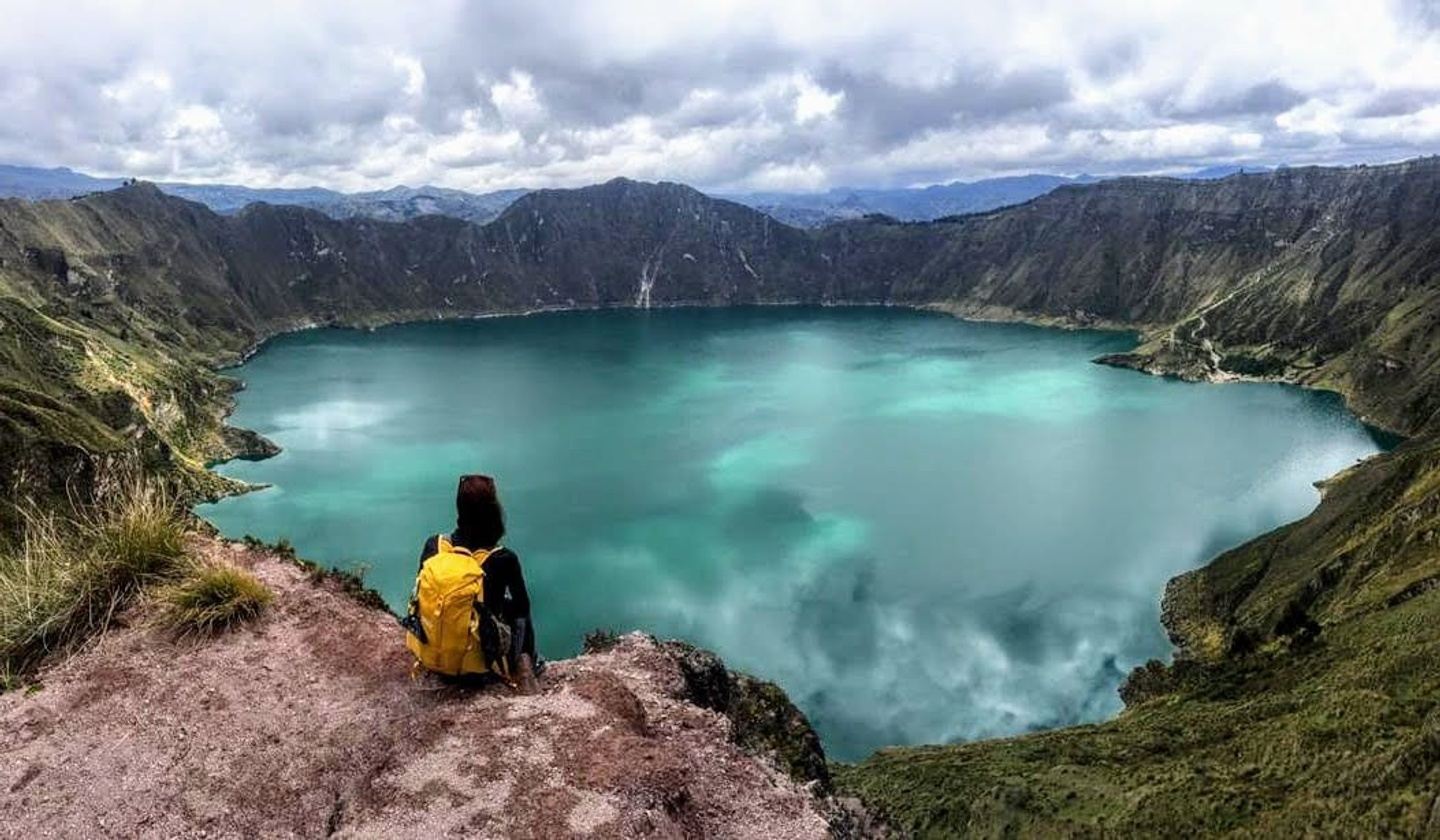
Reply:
x=525, y=680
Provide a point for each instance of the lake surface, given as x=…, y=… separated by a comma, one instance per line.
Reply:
x=923, y=529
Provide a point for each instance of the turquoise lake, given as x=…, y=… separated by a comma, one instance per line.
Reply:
x=924, y=529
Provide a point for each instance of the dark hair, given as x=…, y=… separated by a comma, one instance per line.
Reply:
x=480, y=519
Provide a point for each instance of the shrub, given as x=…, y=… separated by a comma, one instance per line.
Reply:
x=280, y=548
x=41, y=593
x=70, y=573
x=210, y=598
x=141, y=537
x=600, y=640
x=350, y=582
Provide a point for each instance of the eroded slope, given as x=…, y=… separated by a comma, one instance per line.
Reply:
x=309, y=725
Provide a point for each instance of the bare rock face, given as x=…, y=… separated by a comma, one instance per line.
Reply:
x=308, y=724
x=762, y=718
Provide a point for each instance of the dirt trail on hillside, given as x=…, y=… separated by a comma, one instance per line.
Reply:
x=307, y=724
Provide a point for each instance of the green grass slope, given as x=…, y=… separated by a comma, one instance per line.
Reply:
x=1305, y=697
x=1340, y=739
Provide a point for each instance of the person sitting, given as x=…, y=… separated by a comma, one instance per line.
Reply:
x=499, y=638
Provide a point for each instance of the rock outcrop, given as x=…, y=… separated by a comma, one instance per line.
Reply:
x=308, y=724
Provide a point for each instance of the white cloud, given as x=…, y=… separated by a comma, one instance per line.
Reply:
x=795, y=94
x=813, y=102
x=414, y=72
x=517, y=101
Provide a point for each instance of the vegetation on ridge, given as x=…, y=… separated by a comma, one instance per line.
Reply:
x=349, y=582
x=600, y=640
x=210, y=598
x=1304, y=699
x=67, y=575
x=1340, y=737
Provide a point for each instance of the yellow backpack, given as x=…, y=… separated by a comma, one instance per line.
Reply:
x=449, y=629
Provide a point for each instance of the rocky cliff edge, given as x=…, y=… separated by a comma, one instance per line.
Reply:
x=307, y=723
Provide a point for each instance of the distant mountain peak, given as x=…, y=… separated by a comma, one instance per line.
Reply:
x=799, y=209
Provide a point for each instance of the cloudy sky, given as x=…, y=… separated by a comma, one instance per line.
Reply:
x=744, y=95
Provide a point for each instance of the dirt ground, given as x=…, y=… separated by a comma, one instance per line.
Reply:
x=307, y=724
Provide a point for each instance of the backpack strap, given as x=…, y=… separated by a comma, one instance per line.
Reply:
x=445, y=546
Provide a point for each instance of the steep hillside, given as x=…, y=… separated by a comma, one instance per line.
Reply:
x=1335, y=739
x=1322, y=276
x=1319, y=275
x=312, y=712
x=118, y=303
x=1304, y=698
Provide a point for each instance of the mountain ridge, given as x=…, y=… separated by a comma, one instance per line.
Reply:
x=402, y=202
x=396, y=203
x=904, y=204
x=1142, y=254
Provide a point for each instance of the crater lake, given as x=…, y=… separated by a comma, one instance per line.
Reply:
x=923, y=529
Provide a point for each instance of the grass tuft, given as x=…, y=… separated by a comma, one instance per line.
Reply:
x=141, y=539
x=211, y=598
x=600, y=640
x=70, y=573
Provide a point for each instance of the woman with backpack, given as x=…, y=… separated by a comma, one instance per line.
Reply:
x=470, y=613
